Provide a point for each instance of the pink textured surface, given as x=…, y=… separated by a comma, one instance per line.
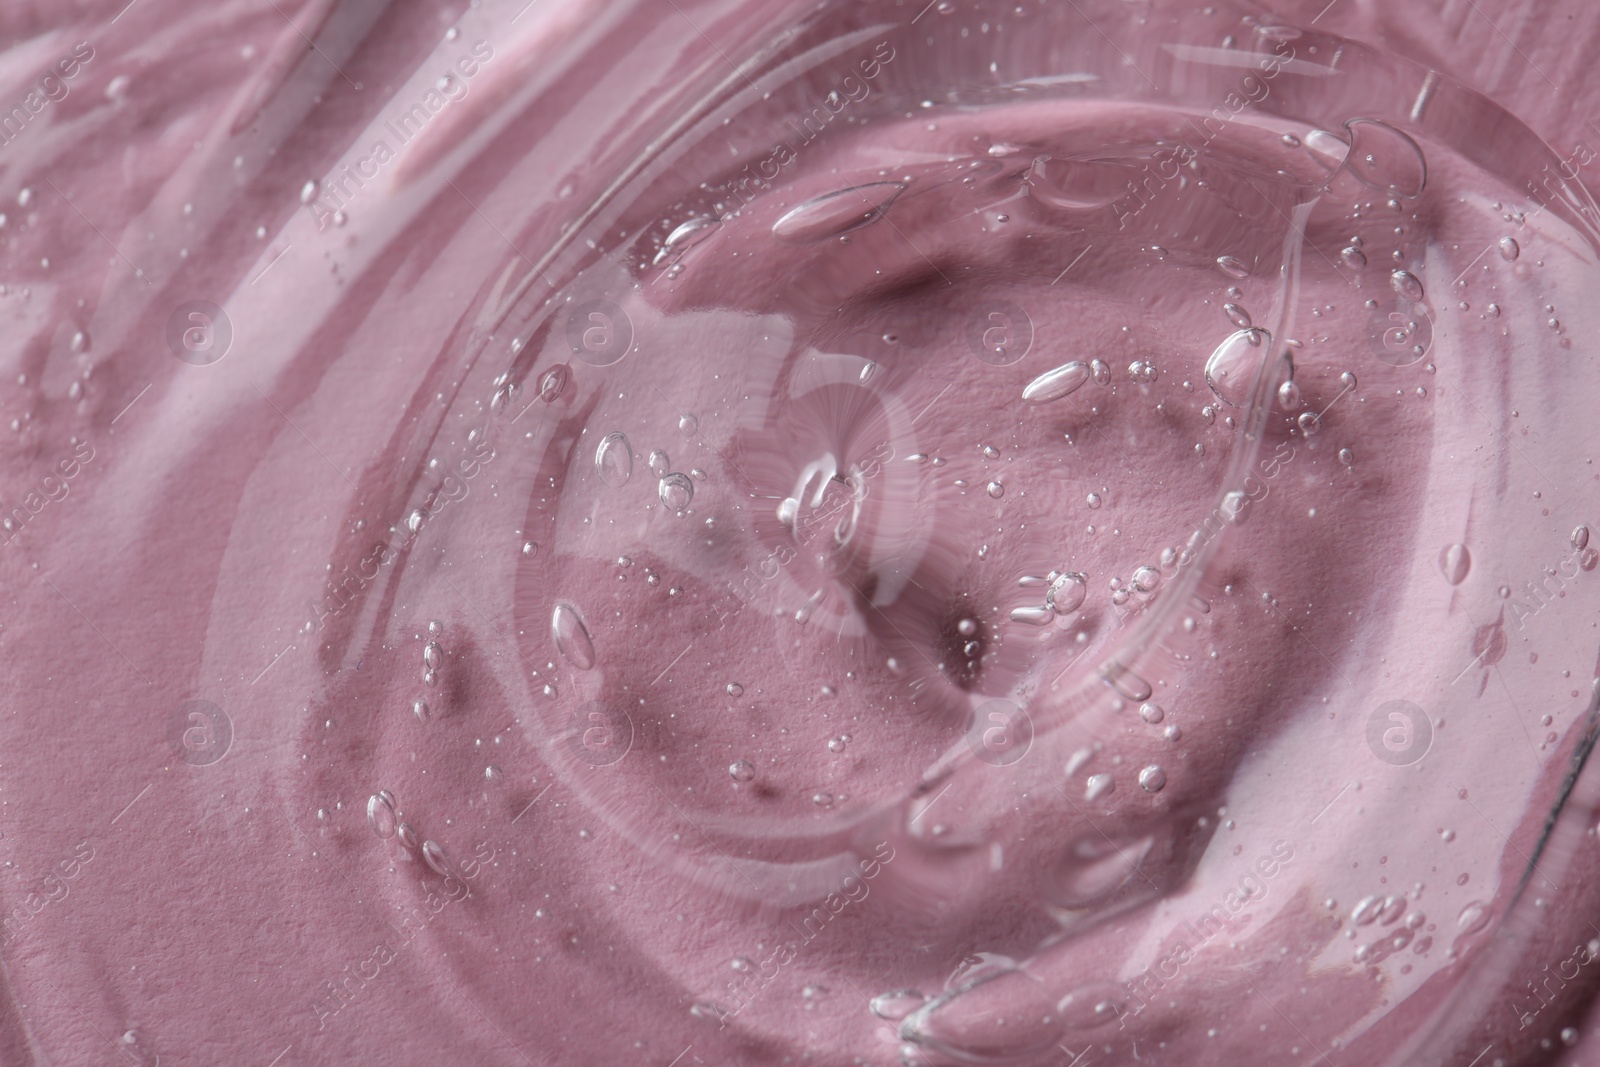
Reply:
x=210, y=915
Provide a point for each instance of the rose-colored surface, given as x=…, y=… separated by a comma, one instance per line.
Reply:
x=204, y=914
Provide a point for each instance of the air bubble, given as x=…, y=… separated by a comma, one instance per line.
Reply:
x=433, y=855
x=613, y=460
x=675, y=491
x=1233, y=266
x=381, y=815
x=572, y=636
x=837, y=213
x=1067, y=592
x=742, y=770
x=1406, y=284
x=1057, y=383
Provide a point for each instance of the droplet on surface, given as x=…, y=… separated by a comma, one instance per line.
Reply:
x=742, y=770
x=432, y=655
x=1237, y=315
x=1097, y=786
x=1152, y=779
x=836, y=213
x=1354, y=258
x=675, y=491
x=420, y=709
x=1580, y=538
x=659, y=463
x=1100, y=371
x=1057, y=383
x=1310, y=423
x=613, y=459
x=572, y=636
x=1151, y=712
x=1509, y=249
x=1454, y=562
x=407, y=836
x=996, y=490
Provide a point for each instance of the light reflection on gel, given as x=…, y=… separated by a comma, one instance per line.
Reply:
x=1133, y=459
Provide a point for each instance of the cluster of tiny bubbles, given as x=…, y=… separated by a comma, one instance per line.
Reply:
x=432, y=656
x=1143, y=371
